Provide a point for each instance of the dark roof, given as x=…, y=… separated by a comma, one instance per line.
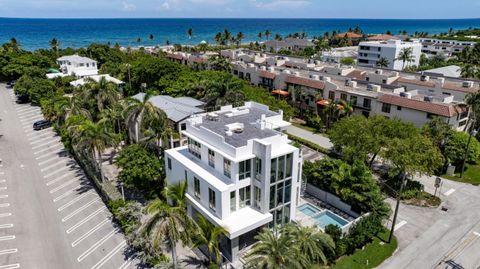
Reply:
x=174, y=56
x=358, y=74
x=445, y=110
x=265, y=74
x=316, y=84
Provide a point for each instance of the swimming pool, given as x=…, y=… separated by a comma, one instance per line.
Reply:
x=325, y=218
x=308, y=209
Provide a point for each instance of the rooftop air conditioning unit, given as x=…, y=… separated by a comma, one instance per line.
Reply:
x=347, y=82
x=296, y=74
x=378, y=71
x=428, y=98
x=263, y=68
x=424, y=78
x=370, y=87
x=406, y=95
x=316, y=77
x=287, y=71
x=467, y=84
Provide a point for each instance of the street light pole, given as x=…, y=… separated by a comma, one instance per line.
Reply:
x=399, y=195
x=123, y=192
x=472, y=133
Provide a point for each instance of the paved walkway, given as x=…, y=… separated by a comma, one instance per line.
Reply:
x=312, y=137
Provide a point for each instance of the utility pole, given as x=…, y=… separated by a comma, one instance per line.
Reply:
x=399, y=195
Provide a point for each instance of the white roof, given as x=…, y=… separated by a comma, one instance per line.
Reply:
x=453, y=71
x=76, y=59
x=80, y=72
x=54, y=75
x=96, y=78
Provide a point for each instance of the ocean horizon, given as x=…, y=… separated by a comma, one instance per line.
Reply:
x=34, y=33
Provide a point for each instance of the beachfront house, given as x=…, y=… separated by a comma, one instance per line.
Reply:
x=75, y=65
x=243, y=173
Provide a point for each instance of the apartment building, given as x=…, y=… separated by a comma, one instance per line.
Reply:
x=447, y=48
x=75, y=65
x=242, y=172
x=289, y=43
x=370, y=52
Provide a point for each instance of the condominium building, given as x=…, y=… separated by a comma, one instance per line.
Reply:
x=242, y=172
x=291, y=44
x=446, y=48
x=370, y=52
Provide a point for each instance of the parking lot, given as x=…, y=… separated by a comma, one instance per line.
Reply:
x=50, y=214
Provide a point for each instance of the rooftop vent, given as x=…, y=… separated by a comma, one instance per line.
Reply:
x=467, y=84
x=406, y=95
x=212, y=116
x=428, y=98
x=424, y=78
x=379, y=71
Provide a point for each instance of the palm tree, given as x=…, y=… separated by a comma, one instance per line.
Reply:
x=190, y=33
x=167, y=224
x=139, y=40
x=69, y=106
x=311, y=242
x=105, y=92
x=260, y=35
x=278, y=37
x=239, y=38
x=275, y=250
x=151, y=37
x=473, y=102
x=55, y=45
x=331, y=110
x=209, y=235
x=94, y=138
x=227, y=36
x=406, y=56
x=383, y=62
x=346, y=108
x=139, y=111
x=219, y=38
x=267, y=34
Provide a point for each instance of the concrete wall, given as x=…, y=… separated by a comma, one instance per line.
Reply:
x=331, y=199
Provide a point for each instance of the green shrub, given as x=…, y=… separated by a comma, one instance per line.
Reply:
x=363, y=232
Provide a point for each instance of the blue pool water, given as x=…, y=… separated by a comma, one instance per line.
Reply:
x=327, y=217
x=308, y=209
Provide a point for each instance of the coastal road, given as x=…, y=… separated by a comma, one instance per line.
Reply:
x=51, y=217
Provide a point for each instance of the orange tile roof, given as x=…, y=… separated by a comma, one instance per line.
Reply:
x=381, y=37
x=350, y=35
x=174, y=56
x=281, y=92
x=199, y=60
x=316, y=84
x=358, y=74
x=459, y=88
x=445, y=110
x=265, y=74
x=323, y=102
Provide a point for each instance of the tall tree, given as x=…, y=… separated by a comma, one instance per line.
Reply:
x=209, y=235
x=406, y=56
x=383, y=62
x=267, y=34
x=311, y=242
x=103, y=91
x=55, y=45
x=190, y=33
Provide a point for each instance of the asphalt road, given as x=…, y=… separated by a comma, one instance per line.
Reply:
x=50, y=215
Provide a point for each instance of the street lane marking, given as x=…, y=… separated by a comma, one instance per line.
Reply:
x=10, y=266
x=96, y=245
x=5, y=205
x=5, y=215
x=74, y=201
x=59, y=178
x=48, y=148
x=63, y=185
x=61, y=161
x=450, y=191
x=8, y=251
x=66, y=194
x=91, y=231
x=400, y=224
x=8, y=237
x=56, y=171
x=47, y=143
x=109, y=255
x=126, y=264
x=4, y=226
x=2, y=173
x=71, y=215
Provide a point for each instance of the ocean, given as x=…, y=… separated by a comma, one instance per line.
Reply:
x=36, y=33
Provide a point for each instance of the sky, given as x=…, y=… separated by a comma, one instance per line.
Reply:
x=404, y=9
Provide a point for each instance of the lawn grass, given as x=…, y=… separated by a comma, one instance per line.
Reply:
x=375, y=253
x=305, y=127
x=471, y=175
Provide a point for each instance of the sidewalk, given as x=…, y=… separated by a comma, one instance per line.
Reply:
x=312, y=137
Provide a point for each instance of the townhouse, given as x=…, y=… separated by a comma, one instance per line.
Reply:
x=242, y=171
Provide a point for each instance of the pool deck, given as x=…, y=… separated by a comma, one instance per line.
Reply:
x=309, y=221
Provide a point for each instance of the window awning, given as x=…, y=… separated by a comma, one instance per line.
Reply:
x=281, y=92
x=323, y=102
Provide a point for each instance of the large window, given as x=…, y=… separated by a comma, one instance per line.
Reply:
x=367, y=103
x=226, y=167
x=288, y=168
x=331, y=95
x=169, y=163
x=244, y=196
x=211, y=199
x=194, y=148
x=211, y=158
x=245, y=169
x=353, y=100
x=233, y=202
x=386, y=108
x=273, y=170
x=281, y=188
x=196, y=187
x=258, y=197
x=258, y=168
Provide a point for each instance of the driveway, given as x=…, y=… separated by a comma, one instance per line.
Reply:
x=312, y=137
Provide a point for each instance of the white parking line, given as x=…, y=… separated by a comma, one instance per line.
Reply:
x=27, y=114
x=74, y=201
x=50, y=154
x=30, y=118
x=91, y=231
x=10, y=266
x=64, y=185
x=8, y=237
x=109, y=255
x=56, y=140
x=3, y=188
x=4, y=196
x=88, y=218
x=4, y=226
x=24, y=109
x=41, y=140
x=5, y=205
x=2, y=181
x=49, y=148
x=126, y=264
x=59, y=178
x=71, y=215
x=450, y=191
x=39, y=132
x=66, y=194
x=54, y=172
x=61, y=161
x=8, y=251
x=41, y=135
x=400, y=224
x=96, y=245
x=47, y=160
x=5, y=215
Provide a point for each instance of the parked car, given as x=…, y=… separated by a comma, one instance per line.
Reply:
x=10, y=84
x=20, y=99
x=41, y=124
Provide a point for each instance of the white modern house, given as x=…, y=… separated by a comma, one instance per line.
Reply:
x=97, y=78
x=75, y=65
x=370, y=52
x=242, y=172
